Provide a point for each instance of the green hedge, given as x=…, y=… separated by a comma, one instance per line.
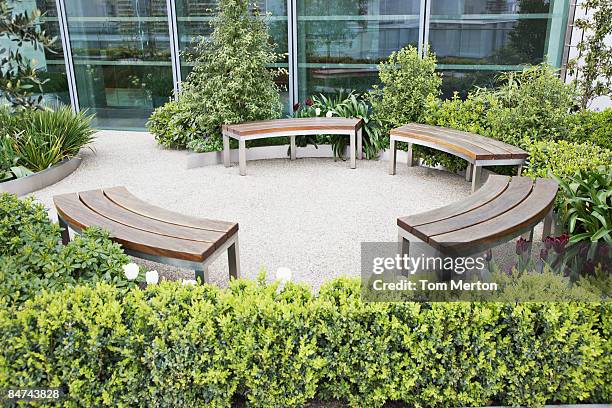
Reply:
x=564, y=159
x=591, y=127
x=173, y=345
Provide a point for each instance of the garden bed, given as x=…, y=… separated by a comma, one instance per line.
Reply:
x=42, y=179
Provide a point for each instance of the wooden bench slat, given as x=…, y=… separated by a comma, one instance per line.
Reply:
x=122, y=197
x=529, y=212
x=292, y=125
x=98, y=202
x=71, y=209
x=487, y=142
x=493, y=187
x=454, y=145
x=518, y=190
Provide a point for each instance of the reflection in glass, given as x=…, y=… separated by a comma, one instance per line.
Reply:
x=504, y=32
x=340, y=42
x=50, y=63
x=464, y=81
x=121, y=52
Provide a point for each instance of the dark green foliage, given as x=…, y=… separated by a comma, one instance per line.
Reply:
x=32, y=258
x=172, y=345
x=37, y=139
x=19, y=79
x=586, y=204
x=45, y=137
x=347, y=106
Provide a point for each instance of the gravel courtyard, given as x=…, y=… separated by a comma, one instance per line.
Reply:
x=309, y=215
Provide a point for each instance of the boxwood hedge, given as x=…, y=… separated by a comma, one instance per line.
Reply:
x=182, y=346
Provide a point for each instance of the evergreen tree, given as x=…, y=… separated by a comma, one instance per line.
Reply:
x=231, y=81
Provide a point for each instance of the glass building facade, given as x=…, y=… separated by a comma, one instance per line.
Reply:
x=120, y=59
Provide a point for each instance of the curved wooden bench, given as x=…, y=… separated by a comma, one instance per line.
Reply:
x=149, y=232
x=502, y=209
x=477, y=150
x=291, y=127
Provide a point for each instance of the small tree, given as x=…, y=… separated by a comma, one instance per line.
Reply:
x=407, y=82
x=18, y=75
x=592, y=67
x=231, y=80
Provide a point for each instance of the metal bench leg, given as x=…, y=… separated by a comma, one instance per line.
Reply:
x=292, y=147
x=242, y=156
x=477, y=171
x=520, y=170
x=468, y=172
x=548, y=221
x=65, y=232
x=353, y=161
x=403, y=245
x=226, y=150
x=528, y=236
x=360, y=144
x=410, y=156
x=201, y=275
x=233, y=257
x=393, y=156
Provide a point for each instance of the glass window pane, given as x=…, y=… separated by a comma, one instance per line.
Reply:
x=193, y=23
x=340, y=42
x=121, y=53
x=505, y=33
x=49, y=62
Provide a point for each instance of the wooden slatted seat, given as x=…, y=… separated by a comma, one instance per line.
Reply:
x=291, y=127
x=477, y=150
x=149, y=232
x=502, y=209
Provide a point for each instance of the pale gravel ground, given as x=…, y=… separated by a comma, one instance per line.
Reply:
x=309, y=215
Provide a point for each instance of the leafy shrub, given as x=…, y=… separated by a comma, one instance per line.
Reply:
x=38, y=139
x=591, y=127
x=533, y=103
x=177, y=123
x=530, y=105
x=586, y=204
x=171, y=345
x=230, y=81
x=564, y=159
x=46, y=137
x=350, y=106
x=33, y=258
x=407, y=81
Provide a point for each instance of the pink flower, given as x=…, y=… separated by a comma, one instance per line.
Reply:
x=296, y=106
x=308, y=102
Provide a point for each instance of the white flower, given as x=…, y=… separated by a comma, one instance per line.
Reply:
x=189, y=282
x=329, y=114
x=283, y=275
x=317, y=111
x=152, y=277
x=131, y=271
